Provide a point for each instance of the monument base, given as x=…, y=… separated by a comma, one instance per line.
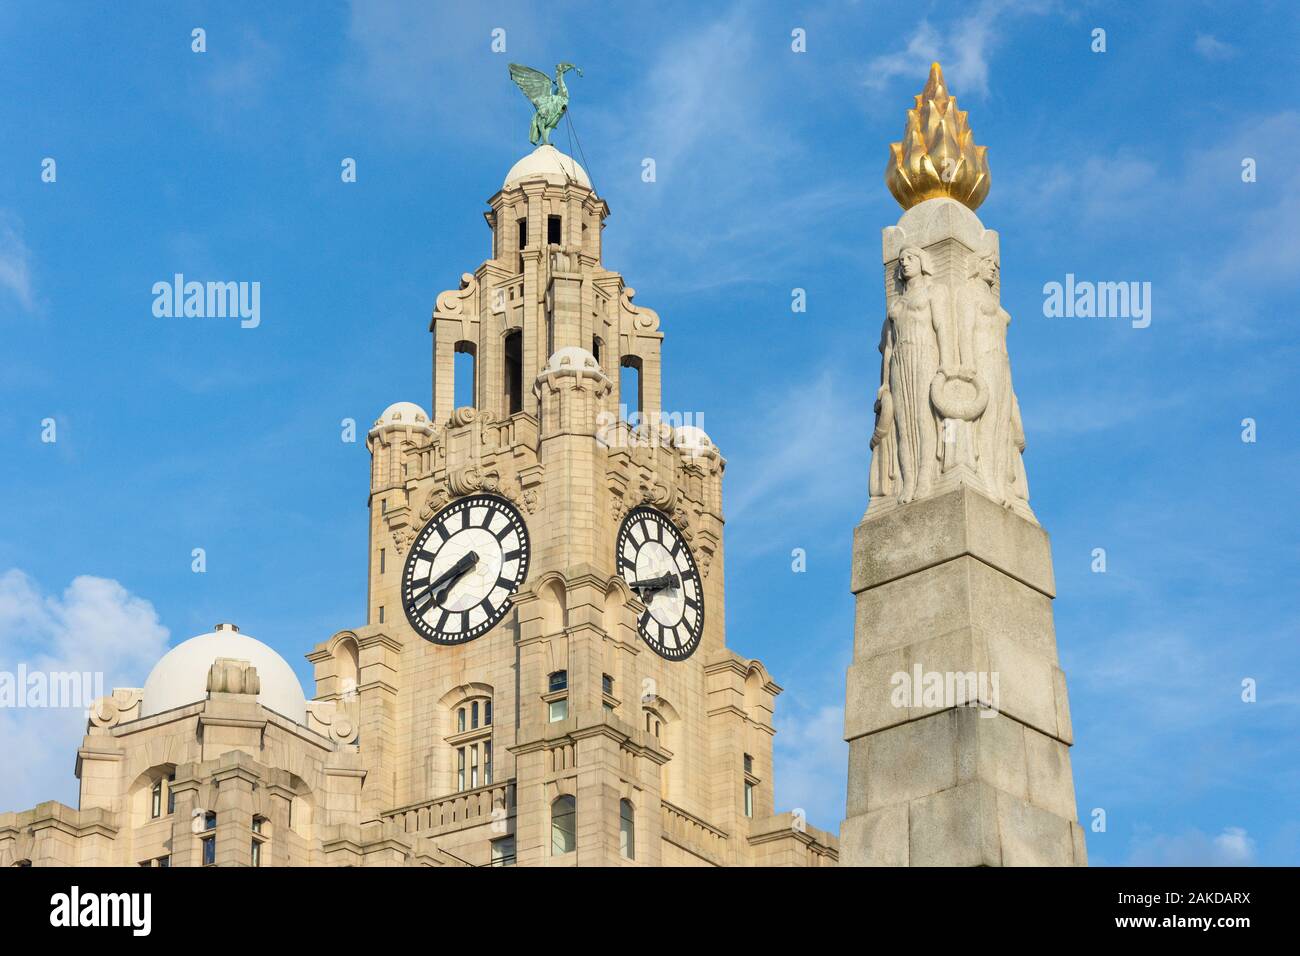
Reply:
x=957, y=716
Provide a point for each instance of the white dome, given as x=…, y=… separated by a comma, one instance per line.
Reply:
x=403, y=413
x=181, y=676
x=572, y=357
x=692, y=441
x=548, y=163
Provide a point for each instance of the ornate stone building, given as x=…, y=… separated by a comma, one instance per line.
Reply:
x=543, y=677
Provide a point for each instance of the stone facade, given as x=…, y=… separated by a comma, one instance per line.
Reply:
x=480, y=753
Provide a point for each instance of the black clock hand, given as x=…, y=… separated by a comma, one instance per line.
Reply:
x=657, y=584
x=445, y=580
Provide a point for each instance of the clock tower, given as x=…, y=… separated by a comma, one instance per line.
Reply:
x=544, y=677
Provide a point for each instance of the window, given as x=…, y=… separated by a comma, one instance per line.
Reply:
x=165, y=861
x=749, y=764
x=558, y=683
x=514, y=371
x=554, y=230
x=595, y=348
x=381, y=614
x=209, y=851
x=382, y=560
x=257, y=824
x=210, y=820
x=563, y=829
x=523, y=233
x=749, y=799
x=472, y=740
x=171, y=796
x=156, y=799
x=257, y=853
x=607, y=684
x=463, y=374
x=609, y=710
x=626, y=830
x=503, y=851
x=629, y=388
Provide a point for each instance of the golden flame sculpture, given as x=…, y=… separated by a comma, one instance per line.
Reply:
x=938, y=155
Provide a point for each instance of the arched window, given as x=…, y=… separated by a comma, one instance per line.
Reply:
x=629, y=388
x=472, y=742
x=464, y=373
x=513, y=369
x=626, y=830
x=563, y=825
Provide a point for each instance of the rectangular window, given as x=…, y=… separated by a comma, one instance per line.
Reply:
x=609, y=711
x=257, y=853
x=382, y=560
x=487, y=762
x=503, y=851
x=749, y=764
x=554, y=230
x=749, y=799
x=156, y=800
x=460, y=768
x=559, y=681
x=209, y=851
x=171, y=794
x=607, y=684
x=210, y=820
x=560, y=709
x=165, y=861
x=257, y=824
x=381, y=614
x=473, y=767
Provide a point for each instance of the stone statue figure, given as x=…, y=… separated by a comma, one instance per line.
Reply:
x=550, y=98
x=883, y=481
x=917, y=343
x=1000, y=436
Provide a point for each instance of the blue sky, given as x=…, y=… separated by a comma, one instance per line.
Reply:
x=1115, y=166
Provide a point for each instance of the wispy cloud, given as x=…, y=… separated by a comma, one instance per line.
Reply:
x=964, y=47
x=15, y=261
x=1232, y=847
x=1212, y=48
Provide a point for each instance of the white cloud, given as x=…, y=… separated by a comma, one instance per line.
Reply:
x=963, y=48
x=1212, y=48
x=811, y=756
x=94, y=626
x=15, y=261
x=1233, y=847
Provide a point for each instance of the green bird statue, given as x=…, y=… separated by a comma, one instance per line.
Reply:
x=550, y=98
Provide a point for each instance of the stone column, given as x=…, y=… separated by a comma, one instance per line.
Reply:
x=956, y=714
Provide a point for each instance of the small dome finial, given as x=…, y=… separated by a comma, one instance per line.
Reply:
x=937, y=155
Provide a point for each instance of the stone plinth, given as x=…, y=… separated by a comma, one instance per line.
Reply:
x=956, y=716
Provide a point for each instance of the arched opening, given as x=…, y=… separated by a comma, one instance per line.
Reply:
x=629, y=388
x=563, y=825
x=347, y=668
x=513, y=369
x=464, y=375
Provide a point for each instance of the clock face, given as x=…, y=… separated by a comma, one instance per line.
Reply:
x=657, y=565
x=463, y=569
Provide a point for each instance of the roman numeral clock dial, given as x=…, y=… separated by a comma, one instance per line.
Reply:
x=659, y=568
x=464, y=568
